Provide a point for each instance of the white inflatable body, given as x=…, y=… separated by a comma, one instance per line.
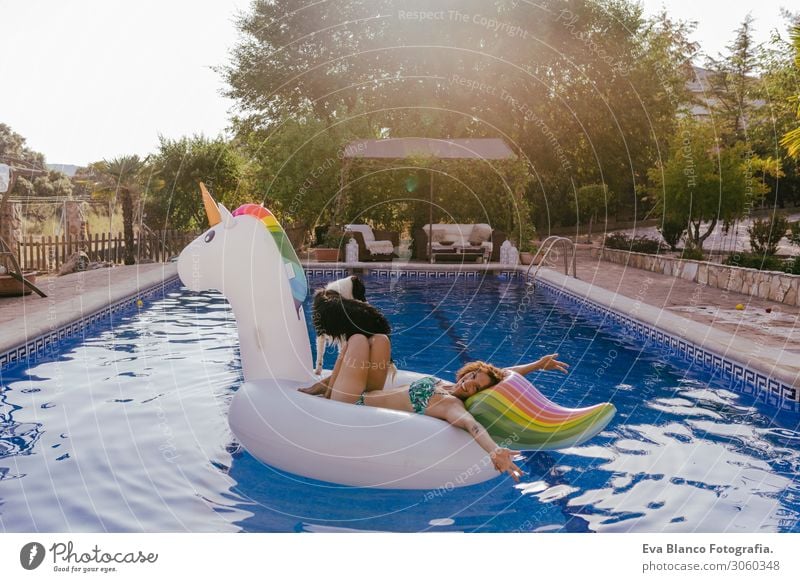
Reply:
x=306, y=435
x=354, y=445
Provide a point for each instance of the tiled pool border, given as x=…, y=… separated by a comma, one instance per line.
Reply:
x=751, y=381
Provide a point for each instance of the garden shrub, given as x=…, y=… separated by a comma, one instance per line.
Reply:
x=792, y=266
x=639, y=244
x=618, y=240
x=672, y=232
x=756, y=261
x=794, y=233
x=692, y=253
x=766, y=234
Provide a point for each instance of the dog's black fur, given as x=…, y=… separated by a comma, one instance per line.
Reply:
x=338, y=317
x=359, y=291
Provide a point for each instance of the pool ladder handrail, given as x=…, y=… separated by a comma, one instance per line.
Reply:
x=545, y=248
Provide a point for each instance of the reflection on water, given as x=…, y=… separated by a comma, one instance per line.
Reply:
x=127, y=431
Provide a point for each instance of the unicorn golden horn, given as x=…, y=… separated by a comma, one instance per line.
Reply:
x=214, y=216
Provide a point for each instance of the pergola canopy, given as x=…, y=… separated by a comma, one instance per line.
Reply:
x=489, y=148
x=450, y=155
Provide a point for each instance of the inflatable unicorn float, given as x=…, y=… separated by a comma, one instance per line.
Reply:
x=247, y=257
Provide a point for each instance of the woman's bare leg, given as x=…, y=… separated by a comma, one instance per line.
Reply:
x=380, y=358
x=351, y=380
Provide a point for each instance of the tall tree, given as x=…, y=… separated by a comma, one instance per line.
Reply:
x=14, y=152
x=791, y=139
x=702, y=183
x=733, y=83
x=124, y=176
x=171, y=201
x=586, y=90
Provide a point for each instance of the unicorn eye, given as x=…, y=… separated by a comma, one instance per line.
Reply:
x=210, y=236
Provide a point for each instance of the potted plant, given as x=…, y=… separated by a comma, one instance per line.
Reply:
x=331, y=244
x=527, y=250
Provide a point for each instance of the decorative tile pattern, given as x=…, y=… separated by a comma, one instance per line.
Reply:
x=48, y=343
x=331, y=273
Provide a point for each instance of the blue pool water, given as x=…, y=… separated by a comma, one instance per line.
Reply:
x=126, y=430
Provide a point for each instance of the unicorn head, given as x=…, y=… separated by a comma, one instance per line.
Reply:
x=248, y=258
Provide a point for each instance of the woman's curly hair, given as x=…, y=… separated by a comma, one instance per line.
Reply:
x=496, y=375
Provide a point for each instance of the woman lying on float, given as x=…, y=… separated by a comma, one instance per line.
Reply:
x=360, y=374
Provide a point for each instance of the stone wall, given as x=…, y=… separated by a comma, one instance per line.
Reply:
x=11, y=224
x=772, y=285
x=75, y=219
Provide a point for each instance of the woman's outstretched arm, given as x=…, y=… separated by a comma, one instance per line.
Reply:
x=452, y=410
x=544, y=363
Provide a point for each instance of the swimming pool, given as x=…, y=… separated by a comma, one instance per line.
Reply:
x=126, y=430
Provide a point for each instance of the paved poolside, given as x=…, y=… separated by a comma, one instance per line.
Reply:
x=71, y=297
x=706, y=316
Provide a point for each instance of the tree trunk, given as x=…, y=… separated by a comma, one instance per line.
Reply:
x=694, y=234
x=707, y=233
x=127, y=226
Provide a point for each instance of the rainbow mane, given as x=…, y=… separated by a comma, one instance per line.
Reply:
x=520, y=417
x=294, y=270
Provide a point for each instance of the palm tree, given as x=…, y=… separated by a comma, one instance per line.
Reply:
x=791, y=141
x=123, y=178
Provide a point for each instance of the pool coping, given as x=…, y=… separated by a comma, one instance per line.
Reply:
x=759, y=371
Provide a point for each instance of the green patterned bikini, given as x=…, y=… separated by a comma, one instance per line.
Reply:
x=419, y=392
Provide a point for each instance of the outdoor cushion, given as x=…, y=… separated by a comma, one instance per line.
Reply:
x=380, y=247
x=460, y=234
x=439, y=235
x=480, y=234
x=364, y=229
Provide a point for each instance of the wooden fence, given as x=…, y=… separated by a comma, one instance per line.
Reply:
x=47, y=253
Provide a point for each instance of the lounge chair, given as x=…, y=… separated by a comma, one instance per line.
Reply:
x=373, y=245
x=459, y=241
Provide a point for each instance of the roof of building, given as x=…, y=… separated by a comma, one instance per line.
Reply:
x=491, y=148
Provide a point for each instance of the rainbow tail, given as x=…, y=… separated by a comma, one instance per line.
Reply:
x=520, y=417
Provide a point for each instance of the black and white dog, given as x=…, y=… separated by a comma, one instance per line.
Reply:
x=340, y=310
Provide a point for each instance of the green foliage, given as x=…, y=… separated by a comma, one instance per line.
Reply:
x=172, y=197
x=701, y=182
x=760, y=262
x=794, y=233
x=464, y=191
x=733, y=83
x=14, y=152
x=298, y=164
x=691, y=253
x=672, y=231
x=639, y=244
x=593, y=201
x=767, y=233
x=777, y=86
x=123, y=176
x=792, y=266
x=791, y=139
x=295, y=167
x=613, y=81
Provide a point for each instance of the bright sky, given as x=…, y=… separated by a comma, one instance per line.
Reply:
x=84, y=80
x=717, y=20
